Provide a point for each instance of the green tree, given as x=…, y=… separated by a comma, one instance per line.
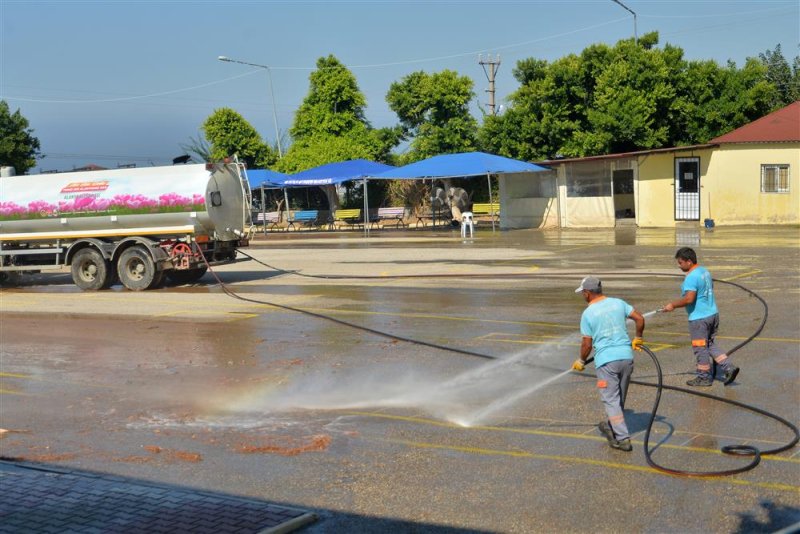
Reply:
x=18, y=147
x=780, y=74
x=229, y=133
x=720, y=99
x=626, y=97
x=548, y=109
x=331, y=126
x=633, y=102
x=434, y=113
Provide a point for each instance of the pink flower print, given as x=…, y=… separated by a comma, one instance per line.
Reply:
x=101, y=204
x=8, y=209
x=40, y=208
x=83, y=203
x=173, y=199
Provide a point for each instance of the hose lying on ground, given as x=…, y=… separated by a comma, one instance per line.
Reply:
x=738, y=450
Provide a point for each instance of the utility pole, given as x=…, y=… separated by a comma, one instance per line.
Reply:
x=494, y=65
x=635, y=32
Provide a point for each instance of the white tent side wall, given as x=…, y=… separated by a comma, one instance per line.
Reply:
x=589, y=202
x=528, y=200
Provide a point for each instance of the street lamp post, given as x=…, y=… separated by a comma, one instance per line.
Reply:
x=272, y=94
x=635, y=33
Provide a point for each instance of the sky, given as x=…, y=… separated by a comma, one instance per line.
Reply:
x=121, y=82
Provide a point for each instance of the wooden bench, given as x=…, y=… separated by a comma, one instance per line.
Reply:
x=351, y=217
x=307, y=218
x=268, y=220
x=443, y=215
x=395, y=213
x=479, y=210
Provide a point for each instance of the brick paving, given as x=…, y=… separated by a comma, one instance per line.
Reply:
x=35, y=499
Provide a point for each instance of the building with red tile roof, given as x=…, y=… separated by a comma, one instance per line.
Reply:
x=750, y=175
x=781, y=126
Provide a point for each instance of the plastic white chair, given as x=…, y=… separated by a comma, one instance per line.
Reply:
x=467, y=222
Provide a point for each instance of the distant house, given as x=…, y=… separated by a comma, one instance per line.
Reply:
x=748, y=176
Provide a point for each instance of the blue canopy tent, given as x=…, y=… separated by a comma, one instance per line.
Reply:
x=266, y=179
x=464, y=164
x=336, y=173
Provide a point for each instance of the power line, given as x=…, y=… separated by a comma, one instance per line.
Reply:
x=396, y=63
x=123, y=99
x=375, y=65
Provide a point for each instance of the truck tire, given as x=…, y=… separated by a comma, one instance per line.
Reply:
x=137, y=270
x=188, y=276
x=90, y=270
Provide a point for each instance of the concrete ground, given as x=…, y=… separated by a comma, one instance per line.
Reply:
x=352, y=377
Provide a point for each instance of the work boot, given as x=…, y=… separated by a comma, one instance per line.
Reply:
x=730, y=375
x=623, y=445
x=699, y=381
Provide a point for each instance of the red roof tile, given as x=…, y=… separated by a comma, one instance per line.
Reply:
x=779, y=126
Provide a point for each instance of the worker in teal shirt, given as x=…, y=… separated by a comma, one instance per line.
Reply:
x=697, y=296
x=604, y=329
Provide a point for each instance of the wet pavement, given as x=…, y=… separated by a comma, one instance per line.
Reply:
x=315, y=393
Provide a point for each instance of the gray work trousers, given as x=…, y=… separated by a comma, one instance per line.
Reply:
x=613, y=379
x=703, y=333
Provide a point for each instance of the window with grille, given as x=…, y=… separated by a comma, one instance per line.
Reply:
x=775, y=178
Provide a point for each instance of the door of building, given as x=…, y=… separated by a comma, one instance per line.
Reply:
x=624, y=207
x=687, y=189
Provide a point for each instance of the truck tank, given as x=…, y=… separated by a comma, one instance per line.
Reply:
x=146, y=201
x=135, y=226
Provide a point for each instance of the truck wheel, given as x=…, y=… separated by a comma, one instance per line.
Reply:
x=136, y=269
x=89, y=269
x=187, y=276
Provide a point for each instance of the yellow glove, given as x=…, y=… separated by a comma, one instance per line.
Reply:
x=578, y=366
x=637, y=343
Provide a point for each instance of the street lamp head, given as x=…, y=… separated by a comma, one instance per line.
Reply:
x=272, y=93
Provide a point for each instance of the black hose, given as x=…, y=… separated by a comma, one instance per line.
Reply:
x=744, y=450
x=737, y=450
x=380, y=333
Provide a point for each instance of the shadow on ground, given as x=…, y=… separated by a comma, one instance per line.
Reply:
x=39, y=496
x=778, y=517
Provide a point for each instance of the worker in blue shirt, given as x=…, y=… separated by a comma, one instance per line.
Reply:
x=604, y=328
x=697, y=296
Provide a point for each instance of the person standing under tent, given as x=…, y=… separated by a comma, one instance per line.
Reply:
x=604, y=328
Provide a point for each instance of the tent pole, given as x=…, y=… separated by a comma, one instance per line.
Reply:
x=366, y=209
x=263, y=209
x=433, y=210
x=286, y=206
x=491, y=204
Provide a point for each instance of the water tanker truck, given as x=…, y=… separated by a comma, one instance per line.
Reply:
x=135, y=226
